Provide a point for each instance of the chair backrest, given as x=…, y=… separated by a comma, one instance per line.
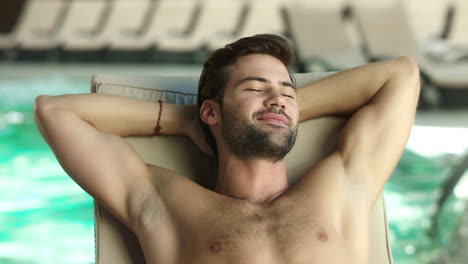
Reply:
x=39, y=23
x=171, y=28
x=218, y=17
x=127, y=20
x=75, y=27
x=385, y=28
x=223, y=12
x=165, y=22
x=115, y=244
x=213, y=17
x=320, y=31
x=427, y=17
x=263, y=16
x=458, y=34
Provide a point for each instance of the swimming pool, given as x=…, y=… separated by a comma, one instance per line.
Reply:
x=46, y=218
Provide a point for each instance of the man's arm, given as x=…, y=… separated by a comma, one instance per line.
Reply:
x=381, y=99
x=85, y=133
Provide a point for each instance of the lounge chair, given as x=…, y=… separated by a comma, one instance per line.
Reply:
x=37, y=28
x=79, y=36
x=324, y=38
x=388, y=33
x=214, y=16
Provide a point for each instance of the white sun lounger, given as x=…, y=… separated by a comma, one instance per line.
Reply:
x=257, y=17
x=459, y=31
x=215, y=16
x=323, y=38
x=427, y=17
x=264, y=16
x=39, y=24
x=385, y=28
x=171, y=18
x=131, y=20
x=125, y=18
x=78, y=33
x=388, y=33
x=227, y=15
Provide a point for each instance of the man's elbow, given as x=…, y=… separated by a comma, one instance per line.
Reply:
x=47, y=102
x=41, y=103
x=408, y=66
x=408, y=69
x=44, y=104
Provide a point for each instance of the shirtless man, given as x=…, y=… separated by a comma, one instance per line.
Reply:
x=249, y=109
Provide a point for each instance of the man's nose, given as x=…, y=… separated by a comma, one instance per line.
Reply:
x=275, y=99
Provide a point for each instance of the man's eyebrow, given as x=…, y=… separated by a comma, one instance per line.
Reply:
x=288, y=84
x=260, y=79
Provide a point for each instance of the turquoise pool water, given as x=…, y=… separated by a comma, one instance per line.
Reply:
x=46, y=218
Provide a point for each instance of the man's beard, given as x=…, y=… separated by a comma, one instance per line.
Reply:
x=247, y=141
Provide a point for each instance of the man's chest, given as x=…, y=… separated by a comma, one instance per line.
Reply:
x=288, y=232
x=278, y=235
x=273, y=225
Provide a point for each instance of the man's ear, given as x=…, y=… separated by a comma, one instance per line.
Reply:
x=209, y=113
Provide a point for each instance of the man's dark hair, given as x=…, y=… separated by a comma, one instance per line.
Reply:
x=215, y=75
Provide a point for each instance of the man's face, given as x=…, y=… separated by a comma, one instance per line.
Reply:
x=259, y=112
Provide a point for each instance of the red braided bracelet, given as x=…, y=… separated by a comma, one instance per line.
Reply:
x=157, y=129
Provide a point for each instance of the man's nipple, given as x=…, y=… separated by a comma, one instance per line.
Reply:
x=322, y=236
x=215, y=246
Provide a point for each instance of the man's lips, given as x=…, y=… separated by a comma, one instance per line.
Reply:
x=274, y=118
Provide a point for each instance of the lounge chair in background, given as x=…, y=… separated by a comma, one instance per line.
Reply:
x=78, y=37
x=37, y=28
x=324, y=37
